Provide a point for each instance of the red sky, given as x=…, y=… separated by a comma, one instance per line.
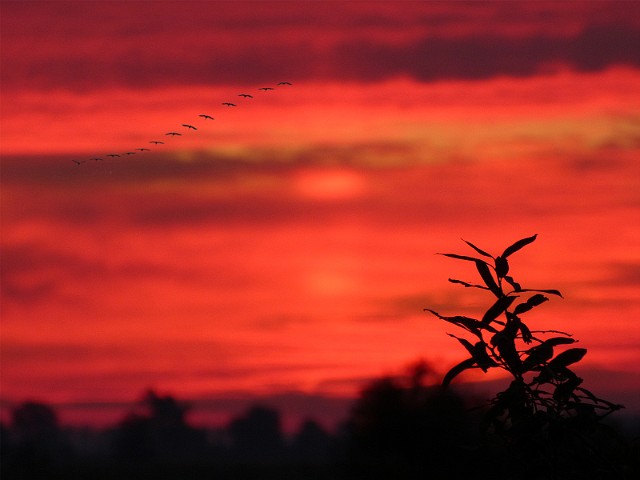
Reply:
x=285, y=250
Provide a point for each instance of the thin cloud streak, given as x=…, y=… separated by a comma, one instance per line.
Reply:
x=501, y=117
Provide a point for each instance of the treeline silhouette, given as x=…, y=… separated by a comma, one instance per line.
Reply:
x=400, y=427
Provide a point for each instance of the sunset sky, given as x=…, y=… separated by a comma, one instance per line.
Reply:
x=284, y=252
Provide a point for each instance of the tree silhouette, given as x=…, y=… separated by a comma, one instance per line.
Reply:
x=312, y=443
x=34, y=443
x=158, y=433
x=547, y=422
x=257, y=436
x=402, y=427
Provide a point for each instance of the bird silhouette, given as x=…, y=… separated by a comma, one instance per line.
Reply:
x=206, y=117
x=157, y=142
x=266, y=89
x=284, y=83
x=112, y=155
x=97, y=159
x=173, y=134
x=229, y=104
x=245, y=95
x=186, y=125
x=143, y=149
x=78, y=162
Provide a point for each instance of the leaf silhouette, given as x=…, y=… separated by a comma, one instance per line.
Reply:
x=534, y=301
x=516, y=286
x=555, y=341
x=526, y=333
x=522, y=308
x=538, y=355
x=541, y=353
x=482, y=358
x=502, y=267
x=507, y=349
x=485, y=273
x=480, y=251
x=518, y=245
x=455, y=371
x=465, y=343
x=550, y=292
x=470, y=324
x=564, y=390
x=462, y=257
x=497, y=308
x=467, y=284
x=568, y=357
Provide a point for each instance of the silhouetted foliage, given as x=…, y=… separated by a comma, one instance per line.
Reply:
x=402, y=427
x=548, y=424
x=159, y=433
x=257, y=436
x=34, y=441
x=312, y=443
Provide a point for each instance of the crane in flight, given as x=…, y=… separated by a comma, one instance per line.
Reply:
x=245, y=95
x=173, y=134
x=156, y=142
x=284, y=83
x=143, y=149
x=186, y=125
x=112, y=155
x=206, y=117
x=78, y=162
x=266, y=89
x=229, y=104
x=96, y=159
x=130, y=153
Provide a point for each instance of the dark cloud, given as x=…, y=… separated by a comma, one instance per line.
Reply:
x=485, y=56
x=19, y=263
x=66, y=352
x=616, y=275
x=143, y=44
x=33, y=273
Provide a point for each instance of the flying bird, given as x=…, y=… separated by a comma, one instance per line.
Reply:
x=284, y=83
x=130, y=153
x=266, y=88
x=112, y=155
x=186, y=125
x=206, y=117
x=173, y=134
x=245, y=95
x=97, y=159
x=228, y=104
x=143, y=149
x=78, y=162
x=156, y=142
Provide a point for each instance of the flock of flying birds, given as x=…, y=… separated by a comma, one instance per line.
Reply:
x=176, y=134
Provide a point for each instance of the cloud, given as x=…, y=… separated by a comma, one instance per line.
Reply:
x=36, y=272
x=72, y=46
x=486, y=56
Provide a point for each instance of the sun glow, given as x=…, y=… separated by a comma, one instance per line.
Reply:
x=329, y=184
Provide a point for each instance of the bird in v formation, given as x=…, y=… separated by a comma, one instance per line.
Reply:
x=186, y=125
